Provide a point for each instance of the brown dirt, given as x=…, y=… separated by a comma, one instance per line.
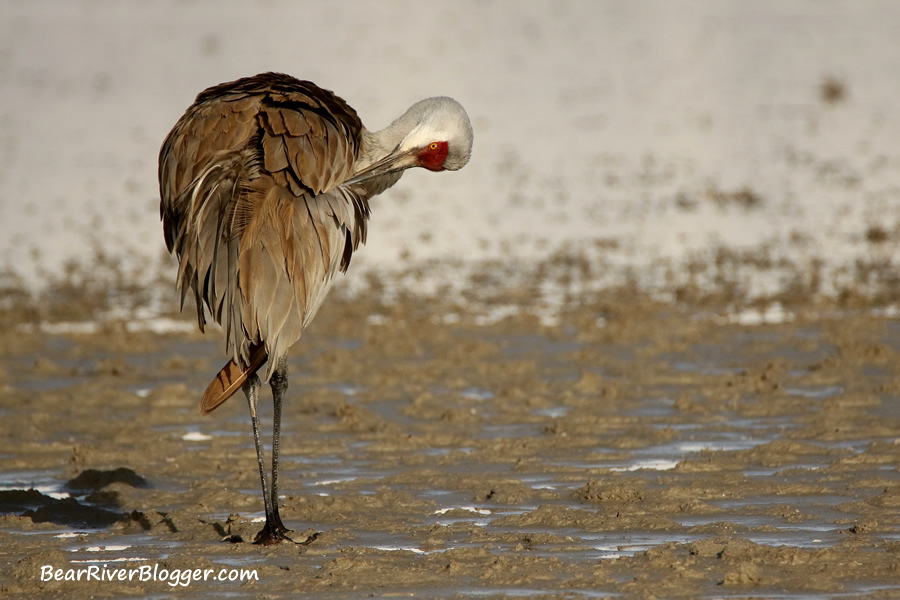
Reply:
x=464, y=460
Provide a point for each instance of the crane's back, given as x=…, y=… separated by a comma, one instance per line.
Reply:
x=253, y=207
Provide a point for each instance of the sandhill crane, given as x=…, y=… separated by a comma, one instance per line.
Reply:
x=265, y=185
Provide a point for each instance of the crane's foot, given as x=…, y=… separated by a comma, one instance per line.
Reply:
x=270, y=537
x=277, y=533
x=272, y=534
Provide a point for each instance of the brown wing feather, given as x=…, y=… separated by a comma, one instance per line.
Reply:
x=230, y=378
x=249, y=185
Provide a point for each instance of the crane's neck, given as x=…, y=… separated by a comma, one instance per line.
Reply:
x=378, y=183
x=378, y=145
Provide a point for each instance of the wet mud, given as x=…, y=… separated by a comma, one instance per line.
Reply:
x=627, y=449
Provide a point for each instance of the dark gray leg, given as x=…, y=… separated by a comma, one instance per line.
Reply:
x=279, y=385
x=274, y=530
x=251, y=390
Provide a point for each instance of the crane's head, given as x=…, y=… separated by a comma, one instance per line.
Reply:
x=434, y=133
x=441, y=138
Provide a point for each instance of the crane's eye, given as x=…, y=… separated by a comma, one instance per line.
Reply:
x=433, y=146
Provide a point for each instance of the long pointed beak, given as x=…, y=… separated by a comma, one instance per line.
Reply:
x=388, y=164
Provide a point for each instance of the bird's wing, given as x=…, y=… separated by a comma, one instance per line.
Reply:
x=252, y=205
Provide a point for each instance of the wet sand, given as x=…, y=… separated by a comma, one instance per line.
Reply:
x=625, y=449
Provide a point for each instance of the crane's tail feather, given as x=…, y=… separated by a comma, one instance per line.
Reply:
x=230, y=379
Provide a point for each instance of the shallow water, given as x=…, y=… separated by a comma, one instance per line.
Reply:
x=698, y=459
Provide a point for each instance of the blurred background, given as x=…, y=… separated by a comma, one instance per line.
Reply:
x=750, y=149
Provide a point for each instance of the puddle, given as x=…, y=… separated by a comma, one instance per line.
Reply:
x=529, y=593
x=649, y=464
x=704, y=369
x=617, y=546
x=474, y=393
x=481, y=517
x=41, y=481
x=820, y=392
x=346, y=389
x=555, y=413
x=412, y=549
x=126, y=548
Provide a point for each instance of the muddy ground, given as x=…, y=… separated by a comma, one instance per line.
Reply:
x=625, y=449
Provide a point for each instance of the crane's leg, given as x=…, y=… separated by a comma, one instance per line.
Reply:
x=251, y=390
x=275, y=531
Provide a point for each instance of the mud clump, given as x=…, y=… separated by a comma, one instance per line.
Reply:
x=92, y=479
